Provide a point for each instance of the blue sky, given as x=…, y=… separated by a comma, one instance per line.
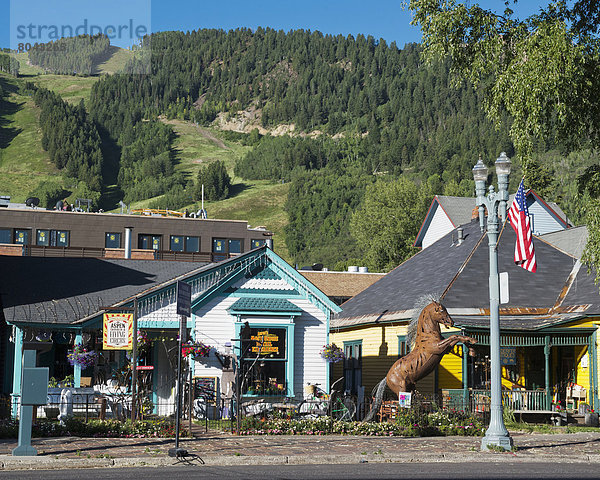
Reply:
x=382, y=19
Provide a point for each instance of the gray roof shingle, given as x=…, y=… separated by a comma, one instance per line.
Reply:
x=62, y=290
x=463, y=271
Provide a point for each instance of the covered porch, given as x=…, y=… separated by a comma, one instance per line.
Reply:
x=554, y=370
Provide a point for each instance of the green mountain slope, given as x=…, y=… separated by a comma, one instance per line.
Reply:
x=24, y=165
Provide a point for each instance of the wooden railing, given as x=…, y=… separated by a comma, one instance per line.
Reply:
x=525, y=400
x=116, y=253
x=479, y=400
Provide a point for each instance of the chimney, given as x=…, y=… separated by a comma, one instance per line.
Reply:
x=128, y=242
x=475, y=213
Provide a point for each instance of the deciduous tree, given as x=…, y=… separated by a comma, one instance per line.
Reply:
x=388, y=221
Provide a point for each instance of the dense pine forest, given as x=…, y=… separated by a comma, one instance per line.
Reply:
x=8, y=64
x=341, y=119
x=68, y=56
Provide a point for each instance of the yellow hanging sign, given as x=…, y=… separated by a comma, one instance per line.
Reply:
x=117, y=331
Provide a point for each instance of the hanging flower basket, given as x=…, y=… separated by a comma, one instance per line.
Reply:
x=196, y=350
x=332, y=353
x=143, y=342
x=82, y=357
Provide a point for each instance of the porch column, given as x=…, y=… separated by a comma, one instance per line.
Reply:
x=547, y=347
x=290, y=354
x=465, y=376
x=17, y=370
x=76, y=367
x=593, y=367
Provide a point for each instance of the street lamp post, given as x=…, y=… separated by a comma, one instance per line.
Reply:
x=495, y=203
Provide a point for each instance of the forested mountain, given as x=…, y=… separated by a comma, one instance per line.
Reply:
x=336, y=85
x=357, y=112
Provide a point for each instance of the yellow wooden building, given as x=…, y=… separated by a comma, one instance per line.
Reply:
x=548, y=327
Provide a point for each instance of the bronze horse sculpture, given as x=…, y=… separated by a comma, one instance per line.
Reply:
x=426, y=354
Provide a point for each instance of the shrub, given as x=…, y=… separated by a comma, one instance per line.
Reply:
x=163, y=428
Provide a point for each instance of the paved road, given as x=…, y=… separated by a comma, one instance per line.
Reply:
x=231, y=450
x=381, y=471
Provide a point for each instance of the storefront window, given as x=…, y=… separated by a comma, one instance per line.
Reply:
x=5, y=235
x=149, y=242
x=22, y=236
x=402, y=346
x=353, y=365
x=62, y=238
x=219, y=245
x=235, y=246
x=264, y=362
x=52, y=238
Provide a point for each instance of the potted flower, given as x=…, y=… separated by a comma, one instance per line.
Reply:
x=81, y=356
x=332, y=353
x=195, y=349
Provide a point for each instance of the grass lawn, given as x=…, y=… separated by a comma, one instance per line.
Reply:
x=116, y=60
x=23, y=162
x=71, y=89
x=259, y=202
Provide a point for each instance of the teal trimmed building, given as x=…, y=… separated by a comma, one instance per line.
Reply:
x=50, y=304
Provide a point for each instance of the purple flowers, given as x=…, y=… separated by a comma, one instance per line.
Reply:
x=332, y=353
x=82, y=356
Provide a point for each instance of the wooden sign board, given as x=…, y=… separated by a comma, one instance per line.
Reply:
x=117, y=331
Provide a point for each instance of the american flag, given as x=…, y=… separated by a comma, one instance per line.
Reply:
x=518, y=215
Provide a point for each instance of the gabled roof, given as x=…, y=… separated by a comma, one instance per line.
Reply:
x=459, y=211
x=62, y=290
x=559, y=289
x=572, y=241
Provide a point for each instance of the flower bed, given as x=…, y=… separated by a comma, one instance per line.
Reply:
x=409, y=424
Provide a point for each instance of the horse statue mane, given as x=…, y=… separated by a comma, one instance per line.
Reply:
x=420, y=304
x=427, y=347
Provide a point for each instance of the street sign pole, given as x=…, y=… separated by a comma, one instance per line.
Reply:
x=184, y=299
x=134, y=355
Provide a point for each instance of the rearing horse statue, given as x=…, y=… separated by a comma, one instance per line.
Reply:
x=426, y=354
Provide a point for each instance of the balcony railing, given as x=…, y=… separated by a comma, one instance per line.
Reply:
x=114, y=253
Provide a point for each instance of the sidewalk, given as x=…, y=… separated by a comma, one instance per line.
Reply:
x=225, y=449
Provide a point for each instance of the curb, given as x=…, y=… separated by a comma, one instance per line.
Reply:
x=8, y=463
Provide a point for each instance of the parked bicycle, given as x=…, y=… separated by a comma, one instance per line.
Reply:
x=318, y=403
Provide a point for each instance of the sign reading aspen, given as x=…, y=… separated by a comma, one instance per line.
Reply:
x=264, y=343
x=117, y=331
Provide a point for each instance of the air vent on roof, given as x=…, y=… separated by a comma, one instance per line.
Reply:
x=32, y=202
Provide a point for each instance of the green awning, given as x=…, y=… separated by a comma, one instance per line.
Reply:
x=267, y=306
